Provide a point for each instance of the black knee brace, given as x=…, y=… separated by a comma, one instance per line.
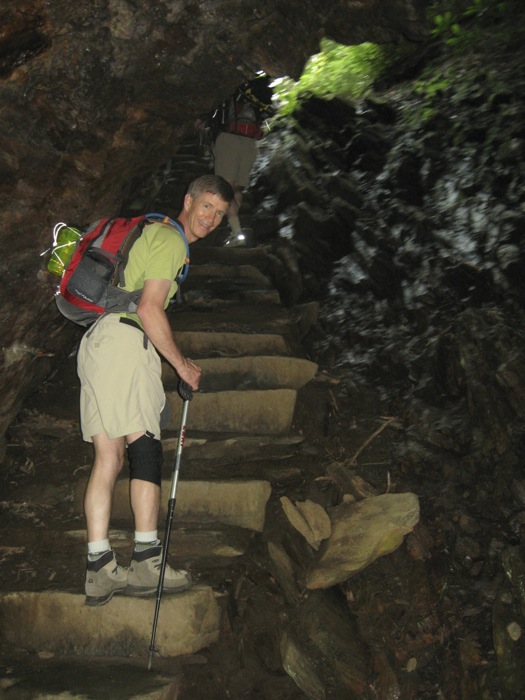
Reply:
x=145, y=459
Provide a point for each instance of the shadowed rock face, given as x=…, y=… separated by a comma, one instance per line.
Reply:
x=96, y=95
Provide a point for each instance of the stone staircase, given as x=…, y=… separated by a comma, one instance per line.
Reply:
x=230, y=321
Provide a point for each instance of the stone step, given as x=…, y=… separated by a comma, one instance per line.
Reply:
x=203, y=253
x=57, y=564
x=199, y=547
x=196, y=546
x=235, y=318
x=237, y=457
x=218, y=295
x=198, y=344
x=45, y=676
x=207, y=546
x=238, y=448
x=255, y=372
x=217, y=274
x=60, y=623
x=264, y=412
x=191, y=544
x=240, y=503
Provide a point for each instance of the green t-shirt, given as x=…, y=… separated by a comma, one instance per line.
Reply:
x=159, y=253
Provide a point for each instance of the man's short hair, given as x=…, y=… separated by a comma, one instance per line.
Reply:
x=215, y=184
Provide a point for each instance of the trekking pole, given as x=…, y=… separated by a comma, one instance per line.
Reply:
x=186, y=393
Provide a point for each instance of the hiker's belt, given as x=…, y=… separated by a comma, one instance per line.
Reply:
x=134, y=324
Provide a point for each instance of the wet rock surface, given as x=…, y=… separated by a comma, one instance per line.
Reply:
x=403, y=217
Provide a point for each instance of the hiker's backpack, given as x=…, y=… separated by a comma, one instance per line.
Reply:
x=92, y=281
x=244, y=112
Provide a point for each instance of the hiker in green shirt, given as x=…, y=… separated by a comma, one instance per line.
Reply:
x=122, y=398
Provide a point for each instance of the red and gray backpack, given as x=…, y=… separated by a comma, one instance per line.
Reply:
x=92, y=281
x=246, y=110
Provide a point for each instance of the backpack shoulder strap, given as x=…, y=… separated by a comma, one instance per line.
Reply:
x=180, y=228
x=127, y=231
x=185, y=269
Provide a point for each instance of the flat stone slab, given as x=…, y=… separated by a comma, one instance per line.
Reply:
x=210, y=544
x=235, y=449
x=210, y=274
x=48, y=677
x=254, y=372
x=207, y=254
x=236, y=318
x=187, y=543
x=266, y=412
x=212, y=344
x=237, y=503
x=61, y=623
x=220, y=294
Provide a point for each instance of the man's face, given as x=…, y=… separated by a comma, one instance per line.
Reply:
x=202, y=214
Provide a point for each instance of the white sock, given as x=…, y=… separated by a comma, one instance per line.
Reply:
x=97, y=548
x=145, y=540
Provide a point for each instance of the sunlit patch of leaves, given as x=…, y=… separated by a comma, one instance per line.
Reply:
x=337, y=70
x=350, y=72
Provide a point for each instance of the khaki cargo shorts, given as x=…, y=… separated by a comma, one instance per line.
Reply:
x=121, y=388
x=234, y=157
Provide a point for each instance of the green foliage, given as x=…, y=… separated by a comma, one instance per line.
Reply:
x=350, y=72
x=430, y=89
x=345, y=71
x=465, y=28
x=446, y=25
x=464, y=33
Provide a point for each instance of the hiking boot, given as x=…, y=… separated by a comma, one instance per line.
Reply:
x=236, y=240
x=104, y=579
x=144, y=572
x=242, y=239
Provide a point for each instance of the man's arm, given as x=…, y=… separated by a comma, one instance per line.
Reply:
x=157, y=328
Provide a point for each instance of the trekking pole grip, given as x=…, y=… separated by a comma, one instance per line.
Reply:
x=184, y=390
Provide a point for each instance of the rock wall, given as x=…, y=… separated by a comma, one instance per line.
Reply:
x=402, y=216
x=407, y=224
x=95, y=96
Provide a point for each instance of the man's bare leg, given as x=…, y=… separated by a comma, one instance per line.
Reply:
x=104, y=578
x=233, y=210
x=143, y=573
x=98, y=499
